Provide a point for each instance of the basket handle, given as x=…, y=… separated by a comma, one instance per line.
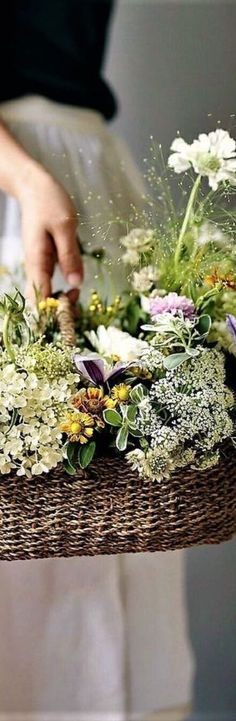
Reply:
x=66, y=320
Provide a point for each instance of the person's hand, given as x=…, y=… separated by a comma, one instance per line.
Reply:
x=49, y=226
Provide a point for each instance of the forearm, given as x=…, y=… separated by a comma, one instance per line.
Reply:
x=17, y=168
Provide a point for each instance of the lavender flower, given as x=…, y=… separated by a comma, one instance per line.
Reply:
x=95, y=370
x=172, y=303
x=231, y=325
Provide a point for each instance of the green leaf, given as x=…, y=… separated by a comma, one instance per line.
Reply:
x=131, y=413
x=174, y=360
x=133, y=313
x=135, y=432
x=112, y=417
x=204, y=325
x=122, y=438
x=137, y=394
x=68, y=468
x=72, y=451
x=86, y=454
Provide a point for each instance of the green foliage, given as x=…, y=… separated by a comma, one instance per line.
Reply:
x=132, y=315
x=78, y=455
x=125, y=420
x=86, y=454
x=15, y=326
x=112, y=417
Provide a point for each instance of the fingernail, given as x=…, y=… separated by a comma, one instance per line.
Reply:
x=74, y=280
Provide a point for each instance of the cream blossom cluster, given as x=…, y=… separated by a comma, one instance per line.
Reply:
x=33, y=444
x=212, y=156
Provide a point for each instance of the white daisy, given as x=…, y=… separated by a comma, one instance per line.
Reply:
x=212, y=155
x=112, y=342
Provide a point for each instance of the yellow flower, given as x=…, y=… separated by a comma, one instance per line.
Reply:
x=78, y=426
x=120, y=393
x=48, y=304
x=140, y=372
x=92, y=401
x=227, y=281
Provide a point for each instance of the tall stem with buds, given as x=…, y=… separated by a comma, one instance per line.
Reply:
x=186, y=220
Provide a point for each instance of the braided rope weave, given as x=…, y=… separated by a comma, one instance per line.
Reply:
x=108, y=509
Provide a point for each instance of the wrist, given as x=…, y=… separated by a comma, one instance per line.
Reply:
x=29, y=178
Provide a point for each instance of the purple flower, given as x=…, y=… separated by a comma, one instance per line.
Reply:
x=95, y=370
x=231, y=325
x=172, y=303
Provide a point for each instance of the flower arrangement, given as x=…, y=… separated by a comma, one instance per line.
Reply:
x=146, y=376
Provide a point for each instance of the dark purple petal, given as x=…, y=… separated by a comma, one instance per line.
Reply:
x=93, y=369
x=231, y=325
x=118, y=369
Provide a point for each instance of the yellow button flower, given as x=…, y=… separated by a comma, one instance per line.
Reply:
x=78, y=427
x=121, y=392
x=48, y=304
x=92, y=400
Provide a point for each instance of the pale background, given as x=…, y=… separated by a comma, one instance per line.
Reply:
x=171, y=64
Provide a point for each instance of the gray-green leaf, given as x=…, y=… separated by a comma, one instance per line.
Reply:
x=122, y=438
x=137, y=393
x=174, y=360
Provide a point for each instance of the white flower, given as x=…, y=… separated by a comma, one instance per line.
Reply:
x=210, y=233
x=212, y=155
x=143, y=279
x=139, y=239
x=34, y=443
x=5, y=463
x=136, y=458
x=112, y=342
x=39, y=468
x=131, y=257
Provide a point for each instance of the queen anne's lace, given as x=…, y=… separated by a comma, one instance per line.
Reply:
x=185, y=417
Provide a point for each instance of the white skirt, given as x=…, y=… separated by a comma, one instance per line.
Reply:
x=87, y=638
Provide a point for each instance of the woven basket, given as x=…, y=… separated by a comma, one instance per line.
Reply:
x=109, y=509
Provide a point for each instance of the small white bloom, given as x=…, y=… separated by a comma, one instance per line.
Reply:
x=39, y=468
x=131, y=257
x=210, y=233
x=143, y=279
x=112, y=342
x=139, y=239
x=212, y=155
x=136, y=458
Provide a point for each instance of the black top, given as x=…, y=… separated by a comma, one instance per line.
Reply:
x=55, y=48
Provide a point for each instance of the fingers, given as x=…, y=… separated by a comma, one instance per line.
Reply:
x=40, y=258
x=68, y=253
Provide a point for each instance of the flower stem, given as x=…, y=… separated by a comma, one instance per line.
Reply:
x=6, y=339
x=186, y=220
